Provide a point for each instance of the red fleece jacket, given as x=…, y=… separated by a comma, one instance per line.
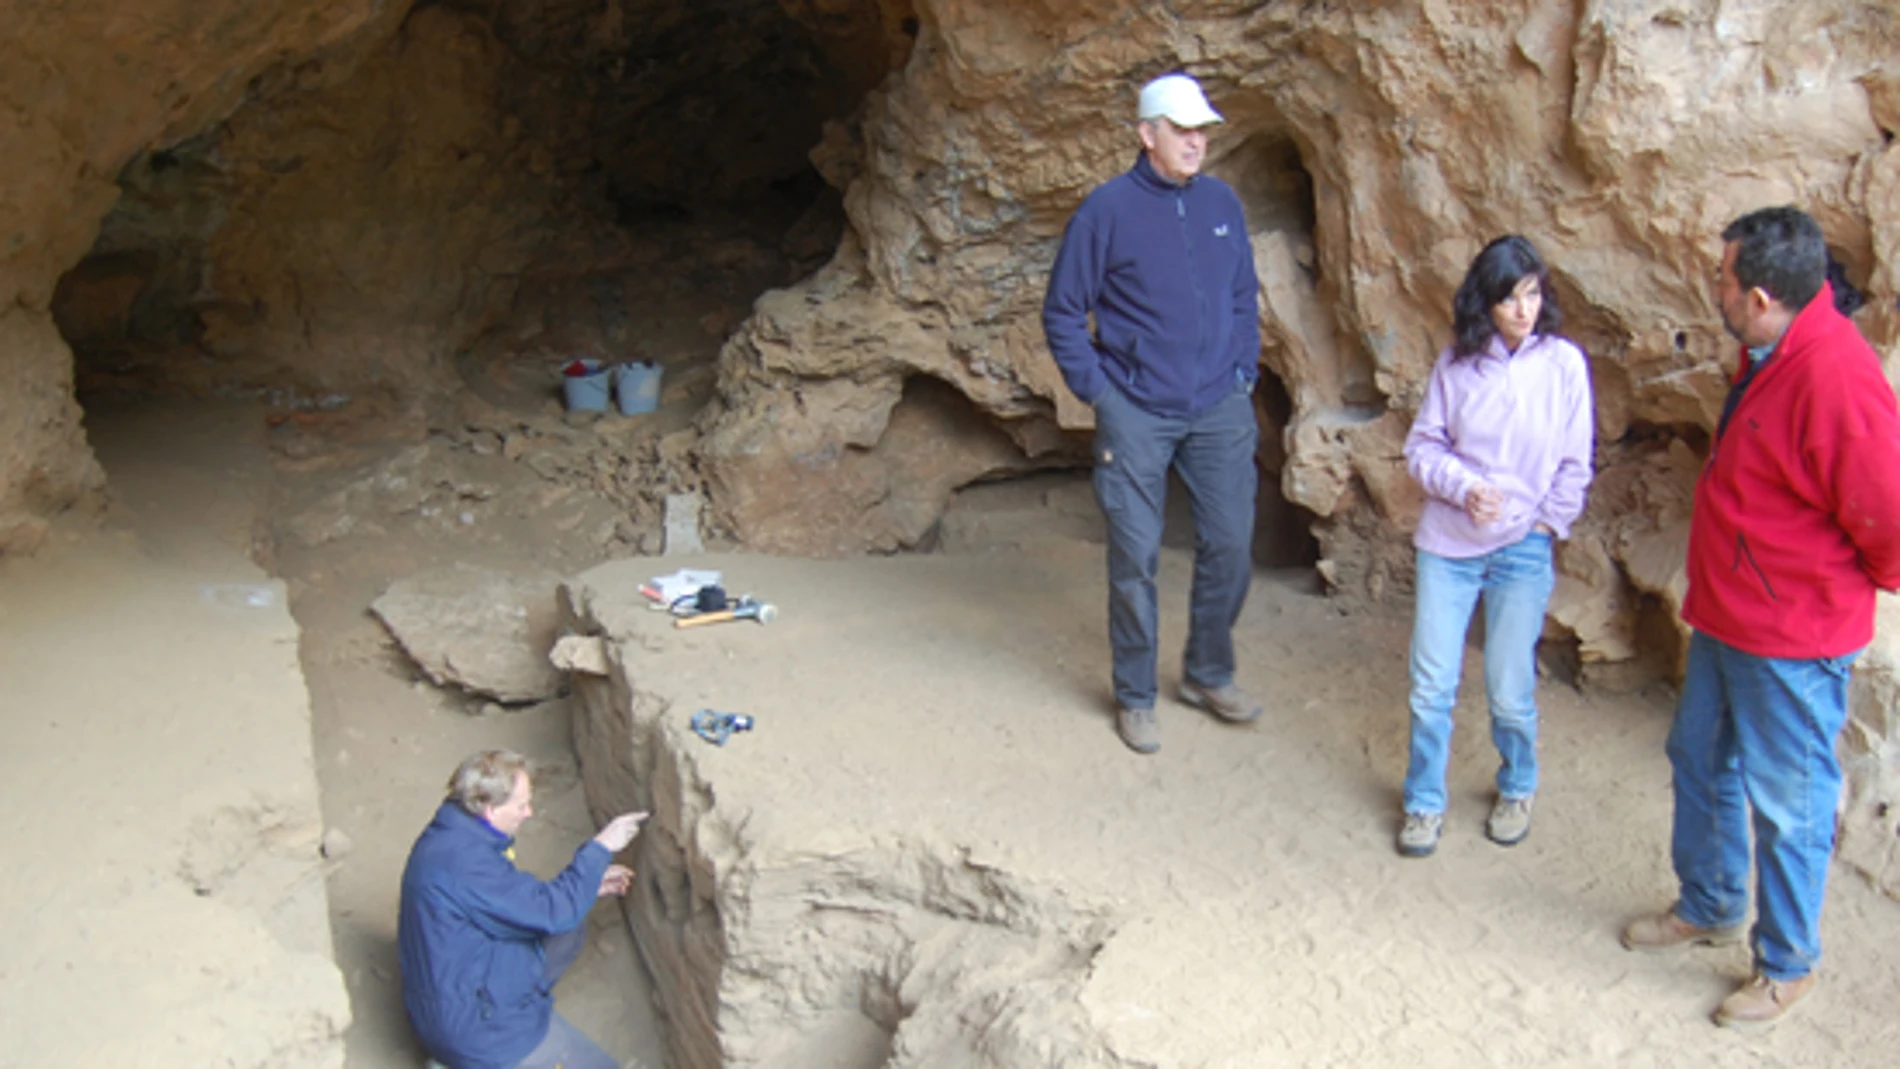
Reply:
x=1797, y=512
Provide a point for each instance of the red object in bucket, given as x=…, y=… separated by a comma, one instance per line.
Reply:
x=576, y=369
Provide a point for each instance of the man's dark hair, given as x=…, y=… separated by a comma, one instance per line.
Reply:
x=1491, y=278
x=1781, y=250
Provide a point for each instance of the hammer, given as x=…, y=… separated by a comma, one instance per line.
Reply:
x=761, y=611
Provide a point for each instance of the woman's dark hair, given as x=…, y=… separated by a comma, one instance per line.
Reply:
x=1848, y=298
x=1493, y=275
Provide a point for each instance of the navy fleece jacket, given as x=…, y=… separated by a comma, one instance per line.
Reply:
x=1167, y=270
x=469, y=932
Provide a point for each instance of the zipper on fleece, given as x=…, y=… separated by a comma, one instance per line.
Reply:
x=1200, y=296
x=1743, y=553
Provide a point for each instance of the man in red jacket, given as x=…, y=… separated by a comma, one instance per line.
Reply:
x=1796, y=525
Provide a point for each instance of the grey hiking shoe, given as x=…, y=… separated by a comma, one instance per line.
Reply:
x=1228, y=702
x=1665, y=932
x=1138, y=729
x=1510, y=820
x=1418, y=837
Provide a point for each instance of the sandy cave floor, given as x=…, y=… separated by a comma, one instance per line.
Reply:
x=1368, y=959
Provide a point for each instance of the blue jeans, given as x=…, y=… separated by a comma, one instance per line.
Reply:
x=1516, y=581
x=1758, y=733
x=1214, y=455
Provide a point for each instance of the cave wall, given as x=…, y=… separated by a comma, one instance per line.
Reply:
x=339, y=236
x=360, y=222
x=1618, y=136
x=86, y=86
x=321, y=201
x=351, y=191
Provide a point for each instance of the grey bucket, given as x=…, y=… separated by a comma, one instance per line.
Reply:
x=586, y=392
x=637, y=388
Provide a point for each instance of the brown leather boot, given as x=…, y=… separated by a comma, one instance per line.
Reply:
x=1761, y=1003
x=1666, y=931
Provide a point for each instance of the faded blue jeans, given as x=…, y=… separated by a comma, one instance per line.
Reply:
x=1516, y=581
x=1213, y=452
x=1757, y=733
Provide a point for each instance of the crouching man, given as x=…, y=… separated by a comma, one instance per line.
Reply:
x=482, y=942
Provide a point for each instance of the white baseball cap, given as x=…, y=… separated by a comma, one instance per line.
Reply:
x=1178, y=99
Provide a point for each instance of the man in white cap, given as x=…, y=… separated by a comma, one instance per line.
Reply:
x=1160, y=258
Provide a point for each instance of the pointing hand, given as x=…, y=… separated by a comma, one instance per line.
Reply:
x=620, y=831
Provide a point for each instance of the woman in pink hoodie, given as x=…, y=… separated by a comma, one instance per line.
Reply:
x=1501, y=446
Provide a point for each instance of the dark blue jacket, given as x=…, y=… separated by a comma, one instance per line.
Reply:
x=1168, y=272
x=470, y=931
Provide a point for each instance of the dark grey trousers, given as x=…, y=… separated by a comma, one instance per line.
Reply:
x=1214, y=455
x=565, y=1046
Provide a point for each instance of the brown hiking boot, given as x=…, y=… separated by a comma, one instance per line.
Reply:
x=1228, y=702
x=1761, y=1003
x=1138, y=729
x=1666, y=931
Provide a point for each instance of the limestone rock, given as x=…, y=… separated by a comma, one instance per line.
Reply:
x=864, y=462
x=1593, y=600
x=681, y=519
x=46, y=466
x=580, y=653
x=1870, y=754
x=485, y=631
